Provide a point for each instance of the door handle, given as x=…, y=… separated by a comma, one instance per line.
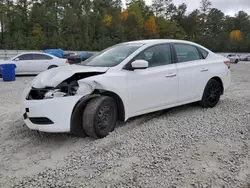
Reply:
x=171, y=75
x=204, y=69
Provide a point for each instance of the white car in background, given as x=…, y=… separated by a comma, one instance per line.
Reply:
x=34, y=62
x=149, y=75
x=233, y=58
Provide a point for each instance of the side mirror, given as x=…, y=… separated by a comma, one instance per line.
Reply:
x=139, y=64
x=17, y=59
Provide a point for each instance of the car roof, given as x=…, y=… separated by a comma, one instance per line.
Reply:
x=37, y=53
x=34, y=53
x=158, y=41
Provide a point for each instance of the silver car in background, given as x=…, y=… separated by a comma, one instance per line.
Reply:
x=246, y=58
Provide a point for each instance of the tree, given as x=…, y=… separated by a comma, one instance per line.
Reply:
x=169, y=30
x=3, y=16
x=124, y=15
x=161, y=7
x=135, y=11
x=191, y=25
x=179, y=13
x=107, y=19
x=205, y=8
x=150, y=26
x=97, y=24
x=215, y=22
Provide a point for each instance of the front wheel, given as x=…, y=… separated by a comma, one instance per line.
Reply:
x=236, y=61
x=212, y=93
x=99, y=117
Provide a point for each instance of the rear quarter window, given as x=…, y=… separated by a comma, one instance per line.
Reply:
x=186, y=52
x=204, y=52
x=41, y=57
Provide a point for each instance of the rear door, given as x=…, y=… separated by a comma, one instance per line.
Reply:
x=193, y=71
x=41, y=62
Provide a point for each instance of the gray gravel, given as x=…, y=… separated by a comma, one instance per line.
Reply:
x=182, y=147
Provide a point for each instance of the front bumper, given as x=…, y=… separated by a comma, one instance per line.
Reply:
x=49, y=115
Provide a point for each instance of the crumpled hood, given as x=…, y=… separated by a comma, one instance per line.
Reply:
x=53, y=77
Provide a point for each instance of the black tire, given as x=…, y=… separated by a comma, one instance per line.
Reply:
x=236, y=61
x=212, y=93
x=52, y=66
x=99, y=117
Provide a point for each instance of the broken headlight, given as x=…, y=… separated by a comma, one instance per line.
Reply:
x=54, y=94
x=62, y=90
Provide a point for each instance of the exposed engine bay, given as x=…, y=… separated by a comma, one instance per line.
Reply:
x=68, y=87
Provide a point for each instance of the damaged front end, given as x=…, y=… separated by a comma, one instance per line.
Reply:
x=69, y=87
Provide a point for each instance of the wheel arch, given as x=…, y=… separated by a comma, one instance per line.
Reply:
x=76, y=116
x=218, y=79
x=52, y=66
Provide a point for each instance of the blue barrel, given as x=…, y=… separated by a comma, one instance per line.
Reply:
x=8, y=72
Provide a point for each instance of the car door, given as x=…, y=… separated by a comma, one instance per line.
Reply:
x=193, y=71
x=23, y=63
x=41, y=62
x=155, y=87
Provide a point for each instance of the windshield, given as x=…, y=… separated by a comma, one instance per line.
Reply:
x=112, y=56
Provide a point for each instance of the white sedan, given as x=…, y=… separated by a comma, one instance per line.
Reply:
x=124, y=81
x=34, y=62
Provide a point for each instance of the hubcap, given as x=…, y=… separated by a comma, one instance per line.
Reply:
x=104, y=117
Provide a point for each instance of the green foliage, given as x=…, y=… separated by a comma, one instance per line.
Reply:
x=97, y=24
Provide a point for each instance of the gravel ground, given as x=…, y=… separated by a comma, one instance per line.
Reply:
x=182, y=147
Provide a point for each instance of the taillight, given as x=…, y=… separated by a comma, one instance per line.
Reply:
x=67, y=61
x=227, y=64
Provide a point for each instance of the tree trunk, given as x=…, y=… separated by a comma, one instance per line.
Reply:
x=2, y=35
x=87, y=30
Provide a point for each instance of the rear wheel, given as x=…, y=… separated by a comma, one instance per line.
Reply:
x=236, y=61
x=99, y=117
x=212, y=93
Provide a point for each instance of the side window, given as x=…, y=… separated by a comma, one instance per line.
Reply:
x=186, y=52
x=41, y=57
x=203, y=52
x=25, y=57
x=156, y=56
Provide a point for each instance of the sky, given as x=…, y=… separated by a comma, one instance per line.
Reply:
x=229, y=7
